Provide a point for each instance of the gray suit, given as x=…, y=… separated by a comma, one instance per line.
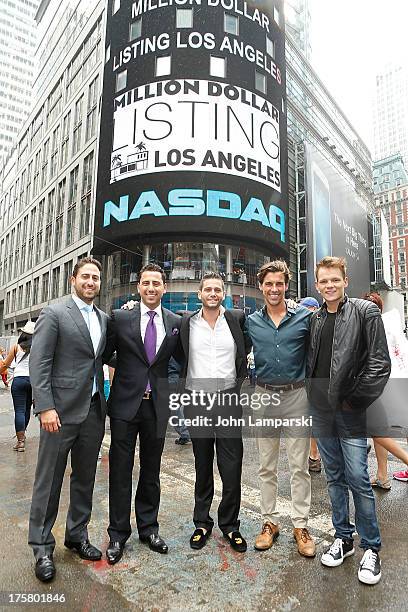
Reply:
x=62, y=369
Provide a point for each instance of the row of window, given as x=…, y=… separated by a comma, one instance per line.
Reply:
x=39, y=290
x=64, y=143
x=56, y=222
x=217, y=69
x=72, y=78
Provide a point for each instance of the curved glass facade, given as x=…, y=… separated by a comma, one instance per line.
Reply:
x=184, y=264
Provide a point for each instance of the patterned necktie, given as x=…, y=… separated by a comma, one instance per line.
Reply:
x=150, y=338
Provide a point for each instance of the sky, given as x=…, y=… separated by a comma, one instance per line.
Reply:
x=351, y=41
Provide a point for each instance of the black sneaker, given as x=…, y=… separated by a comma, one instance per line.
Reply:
x=369, y=571
x=337, y=552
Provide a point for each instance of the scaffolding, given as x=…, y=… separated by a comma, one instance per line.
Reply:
x=300, y=200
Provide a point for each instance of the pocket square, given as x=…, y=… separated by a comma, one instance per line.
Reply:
x=175, y=331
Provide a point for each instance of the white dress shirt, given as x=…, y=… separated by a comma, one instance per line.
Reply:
x=158, y=321
x=211, y=357
x=92, y=323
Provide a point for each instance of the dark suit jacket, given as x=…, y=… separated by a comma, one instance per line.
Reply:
x=63, y=362
x=132, y=367
x=236, y=321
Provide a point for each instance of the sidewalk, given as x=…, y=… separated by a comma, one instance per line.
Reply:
x=215, y=578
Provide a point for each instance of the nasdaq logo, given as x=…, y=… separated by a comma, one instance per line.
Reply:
x=197, y=202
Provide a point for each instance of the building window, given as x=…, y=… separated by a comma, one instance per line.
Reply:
x=68, y=267
x=76, y=137
x=20, y=298
x=218, y=66
x=270, y=47
x=36, y=285
x=65, y=138
x=163, y=65
x=28, y=295
x=107, y=54
x=184, y=18
x=55, y=283
x=276, y=15
x=231, y=24
x=93, y=93
x=44, y=169
x=45, y=287
x=121, y=80
x=54, y=153
x=115, y=6
x=260, y=82
x=401, y=244
x=135, y=29
x=73, y=185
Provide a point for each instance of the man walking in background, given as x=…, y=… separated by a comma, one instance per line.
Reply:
x=67, y=379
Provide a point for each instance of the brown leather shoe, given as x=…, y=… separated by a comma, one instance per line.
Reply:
x=267, y=536
x=305, y=543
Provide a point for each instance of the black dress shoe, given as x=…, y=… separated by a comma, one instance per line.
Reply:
x=199, y=539
x=155, y=543
x=114, y=552
x=84, y=549
x=45, y=568
x=237, y=541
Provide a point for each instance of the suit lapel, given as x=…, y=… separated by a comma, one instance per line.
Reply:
x=136, y=335
x=167, y=329
x=103, y=322
x=79, y=321
x=235, y=331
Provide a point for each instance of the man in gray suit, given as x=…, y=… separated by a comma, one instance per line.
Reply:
x=68, y=387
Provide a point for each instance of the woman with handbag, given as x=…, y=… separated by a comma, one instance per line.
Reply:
x=21, y=387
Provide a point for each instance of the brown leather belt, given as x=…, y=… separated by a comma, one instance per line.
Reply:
x=147, y=395
x=278, y=388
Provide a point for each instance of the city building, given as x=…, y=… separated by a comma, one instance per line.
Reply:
x=50, y=213
x=390, y=183
x=390, y=113
x=17, y=45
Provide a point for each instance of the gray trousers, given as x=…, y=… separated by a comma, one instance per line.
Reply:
x=84, y=441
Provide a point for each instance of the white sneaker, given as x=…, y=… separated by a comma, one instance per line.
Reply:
x=369, y=571
x=338, y=551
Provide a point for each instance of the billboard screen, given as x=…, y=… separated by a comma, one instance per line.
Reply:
x=337, y=223
x=193, y=124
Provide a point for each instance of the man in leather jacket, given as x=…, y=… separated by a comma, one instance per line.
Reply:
x=347, y=369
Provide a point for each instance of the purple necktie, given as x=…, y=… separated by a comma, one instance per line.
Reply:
x=150, y=340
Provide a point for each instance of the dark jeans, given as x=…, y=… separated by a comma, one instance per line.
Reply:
x=345, y=464
x=22, y=400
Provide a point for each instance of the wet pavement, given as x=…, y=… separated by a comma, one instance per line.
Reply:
x=215, y=578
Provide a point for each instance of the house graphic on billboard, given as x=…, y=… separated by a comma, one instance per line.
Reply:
x=124, y=162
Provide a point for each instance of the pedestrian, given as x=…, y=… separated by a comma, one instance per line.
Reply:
x=279, y=333
x=68, y=387
x=315, y=463
x=251, y=369
x=180, y=426
x=3, y=373
x=144, y=338
x=348, y=367
x=215, y=363
x=19, y=358
x=385, y=444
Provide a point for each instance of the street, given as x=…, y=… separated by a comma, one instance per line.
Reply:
x=214, y=578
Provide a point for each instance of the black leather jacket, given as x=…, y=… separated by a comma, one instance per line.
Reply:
x=360, y=363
